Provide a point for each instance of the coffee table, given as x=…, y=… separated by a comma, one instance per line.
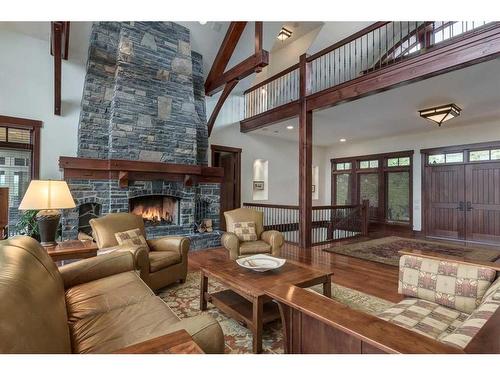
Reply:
x=246, y=300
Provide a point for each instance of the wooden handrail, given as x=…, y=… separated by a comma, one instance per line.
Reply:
x=268, y=205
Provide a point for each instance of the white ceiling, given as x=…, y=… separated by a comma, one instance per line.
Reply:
x=476, y=90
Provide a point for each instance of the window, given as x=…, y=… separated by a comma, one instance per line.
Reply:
x=398, y=162
x=453, y=157
x=343, y=166
x=19, y=158
x=384, y=179
x=484, y=155
x=366, y=164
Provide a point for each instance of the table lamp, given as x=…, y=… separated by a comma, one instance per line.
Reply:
x=49, y=197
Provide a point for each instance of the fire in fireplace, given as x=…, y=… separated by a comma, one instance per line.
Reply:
x=156, y=209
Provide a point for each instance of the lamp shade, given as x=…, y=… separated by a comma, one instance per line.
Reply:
x=47, y=195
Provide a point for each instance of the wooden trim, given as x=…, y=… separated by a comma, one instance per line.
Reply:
x=259, y=31
x=237, y=152
x=19, y=122
x=349, y=39
x=272, y=78
x=64, y=40
x=459, y=148
x=224, y=54
x=228, y=87
x=225, y=148
x=462, y=51
x=283, y=112
x=56, y=42
x=238, y=72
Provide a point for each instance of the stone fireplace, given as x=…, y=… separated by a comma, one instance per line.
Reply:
x=142, y=137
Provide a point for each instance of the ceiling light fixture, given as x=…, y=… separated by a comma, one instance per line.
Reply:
x=441, y=113
x=284, y=34
x=289, y=127
x=202, y=22
x=342, y=140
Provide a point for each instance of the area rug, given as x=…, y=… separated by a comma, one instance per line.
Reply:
x=385, y=250
x=184, y=300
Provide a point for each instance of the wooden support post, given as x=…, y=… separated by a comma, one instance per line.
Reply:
x=305, y=159
x=365, y=217
x=258, y=41
x=227, y=90
x=56, y=47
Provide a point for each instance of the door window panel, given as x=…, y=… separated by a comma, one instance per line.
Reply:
x=398, y=196
x=479, y=155
x=368, y=188
x=342, y=189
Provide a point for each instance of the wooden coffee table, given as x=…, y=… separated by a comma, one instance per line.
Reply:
x=246, y=300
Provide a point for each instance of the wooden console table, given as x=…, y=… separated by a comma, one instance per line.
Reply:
x=72, y=249
x=246, y=300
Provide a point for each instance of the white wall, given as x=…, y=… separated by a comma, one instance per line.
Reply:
x=283, y=157
x=437, y=137
x=27, y=90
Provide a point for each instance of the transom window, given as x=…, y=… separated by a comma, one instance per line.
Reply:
x=365, y=164
x=482, y=155
x=452, y=157
x=343, y=166
x=398, y=162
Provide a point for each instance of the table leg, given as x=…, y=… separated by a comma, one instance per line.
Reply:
x=257, y=325
x=327, y=288
x=203, y=292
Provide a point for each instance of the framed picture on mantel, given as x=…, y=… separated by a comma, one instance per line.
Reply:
x=258, y=185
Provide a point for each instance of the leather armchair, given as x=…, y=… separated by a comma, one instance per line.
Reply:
x=161, y=263
x=268, y=242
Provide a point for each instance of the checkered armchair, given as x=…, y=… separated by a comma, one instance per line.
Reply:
x=449, y=301
x=246, y=236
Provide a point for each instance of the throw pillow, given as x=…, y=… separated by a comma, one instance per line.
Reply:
x=245, y=231
x=131, y=237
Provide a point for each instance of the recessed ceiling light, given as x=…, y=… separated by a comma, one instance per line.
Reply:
x=289, y=127
x=276, y=132
x=342, y=140
x=202, y=22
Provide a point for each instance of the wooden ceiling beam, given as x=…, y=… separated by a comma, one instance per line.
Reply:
x=225, y=93
x=59, y=48
x=226, y=50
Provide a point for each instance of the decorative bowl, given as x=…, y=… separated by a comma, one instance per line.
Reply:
x=261, y=262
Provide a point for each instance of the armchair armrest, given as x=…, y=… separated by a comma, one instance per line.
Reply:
x=96, y=268
x=232, y=243
x=274, y=239
x=170, y=243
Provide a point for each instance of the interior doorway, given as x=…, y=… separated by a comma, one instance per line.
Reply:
x=228, y=158
x=461, y=191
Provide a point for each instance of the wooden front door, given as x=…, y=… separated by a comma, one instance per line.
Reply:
x=445, y=203
x=482, y=210
x=228, y=158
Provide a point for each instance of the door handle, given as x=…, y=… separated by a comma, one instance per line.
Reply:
x=469, y=206
x=461, y=206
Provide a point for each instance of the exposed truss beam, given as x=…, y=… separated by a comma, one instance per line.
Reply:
x=59, y=47
x=225, y=93
x=226, y=50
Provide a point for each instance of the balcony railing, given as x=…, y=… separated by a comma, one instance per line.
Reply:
x=378, y=46
x=329, y=223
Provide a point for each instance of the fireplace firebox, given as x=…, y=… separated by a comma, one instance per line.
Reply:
x=156, y=209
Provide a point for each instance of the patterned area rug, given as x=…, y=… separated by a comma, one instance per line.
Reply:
x=385, y=250
x=183, y=299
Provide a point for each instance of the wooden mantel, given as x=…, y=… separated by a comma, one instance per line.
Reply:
x=129, y=170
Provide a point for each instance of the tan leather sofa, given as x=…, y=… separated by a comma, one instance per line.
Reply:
x=97, y=305
x=164, y=263
x=268, y=242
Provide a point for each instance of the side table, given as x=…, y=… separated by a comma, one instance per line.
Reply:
x=72, y=249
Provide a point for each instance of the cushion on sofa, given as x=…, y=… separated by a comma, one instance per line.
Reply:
x=427, y=318
x=162, y=259
x=469, y=328
x=454, y=285
x=121, y=327
x=102, y=295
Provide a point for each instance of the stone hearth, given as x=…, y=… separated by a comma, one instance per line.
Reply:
x=143, y=100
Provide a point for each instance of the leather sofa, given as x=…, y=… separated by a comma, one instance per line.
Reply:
x=96, y=305
x=162, y=262
x=268, y=242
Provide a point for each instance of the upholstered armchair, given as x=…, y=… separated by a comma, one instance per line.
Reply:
x=268, y=242
x=161, y=261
